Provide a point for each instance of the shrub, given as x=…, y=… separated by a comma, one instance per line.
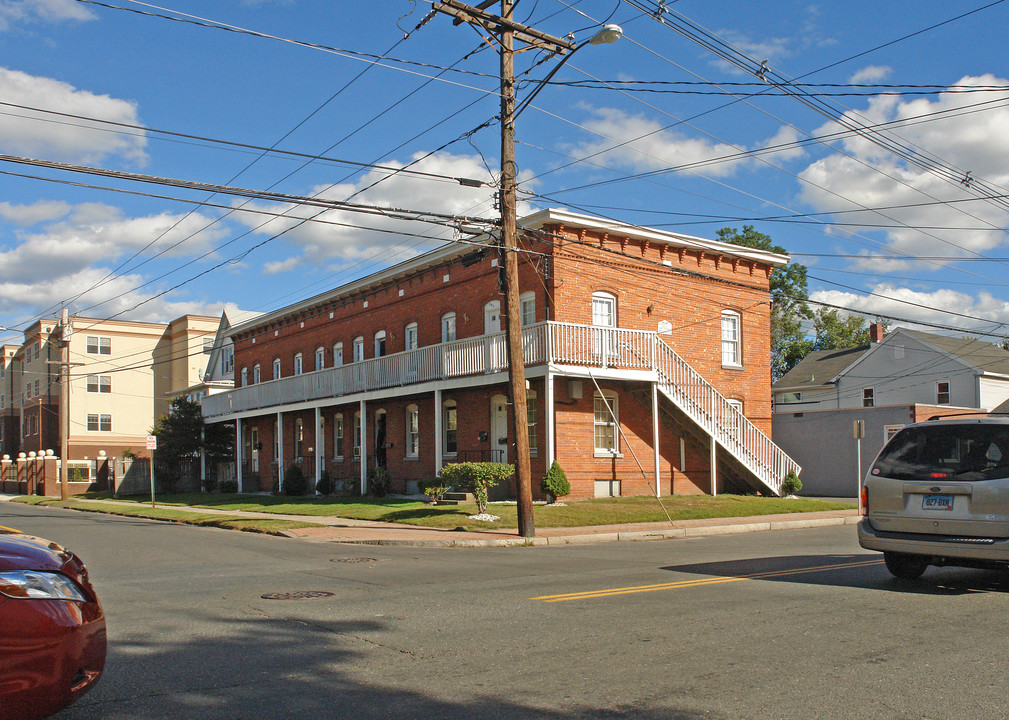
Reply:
x=792, y=484
x=435, y=489
x=476, y=478
x=378, y=481
x=228, y=486
x=295, y=482
x=325, y=484
x=351, y=486
x=555, y=482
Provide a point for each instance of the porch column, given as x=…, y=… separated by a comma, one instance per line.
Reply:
x=203, y=459
x=364, y=448
x=280, y=451
x=655, y=438
x=318, y=444
x=548, y=418
x=437, y=432
x=714, y=471
x=238, y=453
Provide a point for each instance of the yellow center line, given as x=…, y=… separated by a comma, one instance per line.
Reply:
x=591, y=594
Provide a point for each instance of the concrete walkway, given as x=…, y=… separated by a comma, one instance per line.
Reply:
x=367, y=532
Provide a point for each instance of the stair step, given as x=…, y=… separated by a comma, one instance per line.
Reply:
x=457, y=498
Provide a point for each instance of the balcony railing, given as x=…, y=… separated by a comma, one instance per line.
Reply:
x=556, y=343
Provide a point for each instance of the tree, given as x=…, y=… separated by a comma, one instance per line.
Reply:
x=834, y=332
x=183, y=436
x=789, y=306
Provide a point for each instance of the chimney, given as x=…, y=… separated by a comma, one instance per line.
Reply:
x=876, y=332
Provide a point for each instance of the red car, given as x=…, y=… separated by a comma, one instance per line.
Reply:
x=52, y=628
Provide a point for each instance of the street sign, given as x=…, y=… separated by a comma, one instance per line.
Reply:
x=152, y=442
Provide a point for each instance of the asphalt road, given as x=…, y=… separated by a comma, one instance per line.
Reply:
x=208, y=623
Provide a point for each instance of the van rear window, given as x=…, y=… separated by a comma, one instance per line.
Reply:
x=946, y=452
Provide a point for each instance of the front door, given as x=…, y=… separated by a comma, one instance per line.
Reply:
x=499, y=429
x=254, y=442
x=380, y=456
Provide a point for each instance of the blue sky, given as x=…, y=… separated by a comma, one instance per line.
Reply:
x=655, y=130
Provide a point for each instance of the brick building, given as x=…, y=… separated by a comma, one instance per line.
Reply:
x=647, y=359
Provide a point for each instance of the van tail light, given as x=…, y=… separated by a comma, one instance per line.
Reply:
x=865, y=500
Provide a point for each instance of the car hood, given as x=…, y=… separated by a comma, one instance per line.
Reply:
x=24, y=552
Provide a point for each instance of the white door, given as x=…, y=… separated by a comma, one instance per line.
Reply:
x=496, y=350
x=254, y=441
x=499, y=429
x=604, y=320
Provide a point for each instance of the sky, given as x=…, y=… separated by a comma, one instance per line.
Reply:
x=751, y=122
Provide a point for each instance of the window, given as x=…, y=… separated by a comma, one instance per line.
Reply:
x=99, y=383
x=299, y=438
x=37, y=388
x=867, y=397
x=357, y=434
x=531, y=419
x=228, y=359
x=604, y=316
x=3, y=402
x=338, y=436
x=412, y=431
x=791, y=397
x=320, y=358
x=245, y=376
x=448, y=327
x=338, y=354
x=34, y=347
x=732, y=355
x=299, y=365
x=527, y=302
x=276, y=369
x=410, y=334
x=358, y=349
x=605, y=422
x=36, y=351
x=942, y=393
x=256, y=375
x=99, y=345
x=450, y=425
x=380, y=343
x=99, y=422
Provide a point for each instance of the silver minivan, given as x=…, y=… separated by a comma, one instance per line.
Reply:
x=938, y=494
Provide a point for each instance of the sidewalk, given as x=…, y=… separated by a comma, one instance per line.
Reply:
x=367, y=532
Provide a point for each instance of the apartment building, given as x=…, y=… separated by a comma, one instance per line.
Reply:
x=647, y=359
x=121, y=375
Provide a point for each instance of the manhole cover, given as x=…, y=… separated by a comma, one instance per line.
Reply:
x=297, y=595
x=355, y=560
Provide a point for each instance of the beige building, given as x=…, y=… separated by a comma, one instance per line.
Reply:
x=121, y=376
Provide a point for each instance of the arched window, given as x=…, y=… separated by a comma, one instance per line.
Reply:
x=732, y=341
x=320, y=358
x=380, y=343
x=410, y=336
x=276, y=368
x=299, y=364
x=358, y=349
x=256, y=375
x=448, y=327
x=604, y=309
x=338, y=354
x=412, y=431
x=245, y=376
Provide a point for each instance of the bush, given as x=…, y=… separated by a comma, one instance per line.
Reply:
x=228, y=486
x=476, y=478
x=378, y=482
x=325, y=484
x=792, y=484
x=555, y=483
x=295, y=482
x=435, y=489
x=351, y=486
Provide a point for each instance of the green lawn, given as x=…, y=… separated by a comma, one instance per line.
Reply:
x=601, y=511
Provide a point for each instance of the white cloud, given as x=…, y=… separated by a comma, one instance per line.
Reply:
x=870, y=74
x=930, y=204
x=35, y=134
x=639, y=144
x=13, y=12
x=338, y=237
x=41, y=211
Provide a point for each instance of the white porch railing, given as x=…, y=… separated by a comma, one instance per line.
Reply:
x=556, y=343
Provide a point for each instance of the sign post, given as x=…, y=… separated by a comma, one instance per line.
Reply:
x=858, y=430
x=152, y=445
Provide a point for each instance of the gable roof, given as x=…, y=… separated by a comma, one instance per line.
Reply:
x=978, y=354
x=819, y=368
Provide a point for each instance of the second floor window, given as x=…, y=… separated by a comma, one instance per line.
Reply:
x=276, y=369
x=320, y=358
x=942, y=393
x=245, y=376
x=732, y=353
x=868, y=397
x=99, y=422
x=228, y=359
x=99, y=345
x=528, y=304
x=338, y=354
x=298, y=364
x=448, y=327
x=380, y=343
x=410, y=335
x=358, y=349
x=257, y=376
x=99, y=383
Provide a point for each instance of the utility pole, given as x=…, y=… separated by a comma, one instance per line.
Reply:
x=66, y=333
x=507, y=32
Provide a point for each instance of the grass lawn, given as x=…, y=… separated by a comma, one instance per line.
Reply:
x=600, y=511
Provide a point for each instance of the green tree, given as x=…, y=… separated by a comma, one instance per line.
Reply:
x=789, y=301
x=834, y=332
x=182, y=436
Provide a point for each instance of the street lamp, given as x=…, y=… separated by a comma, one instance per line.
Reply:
x=509, y=247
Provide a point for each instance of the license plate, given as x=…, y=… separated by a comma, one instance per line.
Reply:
x=937, y=502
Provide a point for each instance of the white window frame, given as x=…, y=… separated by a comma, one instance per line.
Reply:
x=868, y=397
x=939, y=392
x=359, y=348
x=299, y=363
x=245, y=376
x=257, y=374
x=410, y=336
x=732, y=339
x=357, y=434
x=99, y=384
x=102, y=345
x=412, y=426
x=337, y=354
x=532, y=410
x=320, y=358
x=448, y=327
x=607, y=418
x=228, y=359
x=276, y=369
x=527, y=305
x=380, y=344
